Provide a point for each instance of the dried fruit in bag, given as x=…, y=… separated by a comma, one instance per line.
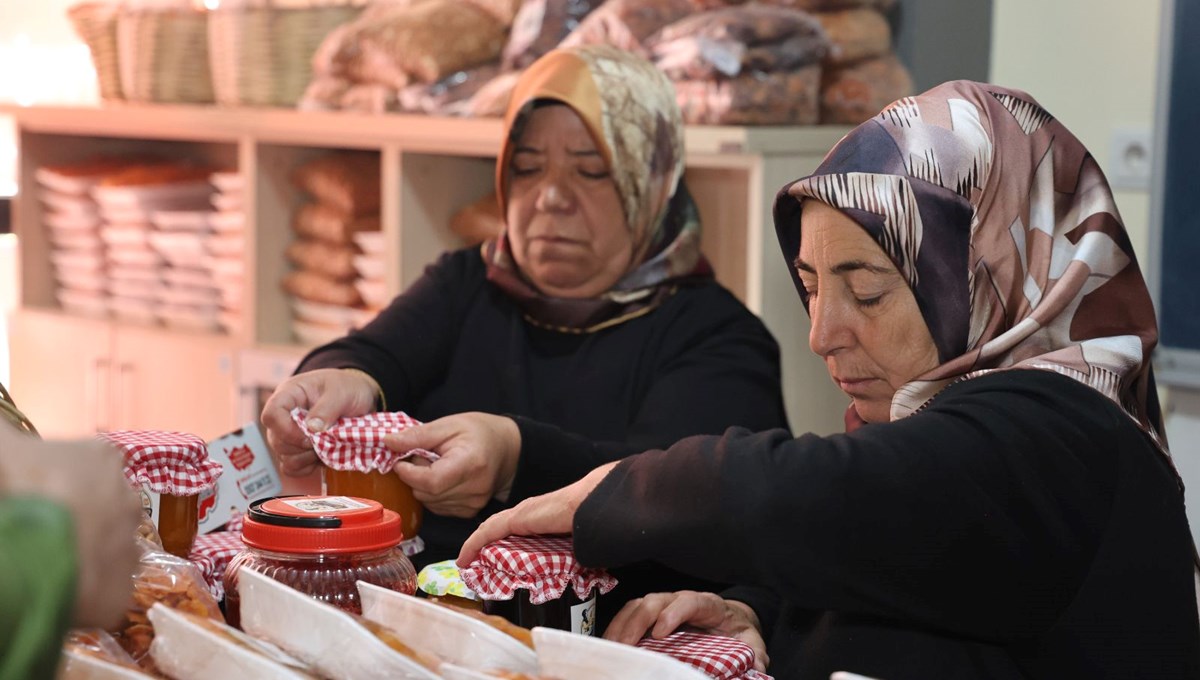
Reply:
x=855, y=34
x=334, y=261
x=854, y=94
x=735, y=40
x=627, y=24
x=347, y=181
x=539, y=27
x=787, y=98
x=321, y=222
x=315, y=287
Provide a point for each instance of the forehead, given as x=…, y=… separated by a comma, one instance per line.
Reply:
x=829, y=237
x=556, y=123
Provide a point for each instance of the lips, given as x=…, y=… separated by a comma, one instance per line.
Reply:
x=854, y=386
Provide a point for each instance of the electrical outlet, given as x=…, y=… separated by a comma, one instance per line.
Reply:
x=1131, y=158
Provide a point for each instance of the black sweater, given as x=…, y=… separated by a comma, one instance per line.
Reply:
x=1020, y=526
x=453, y=342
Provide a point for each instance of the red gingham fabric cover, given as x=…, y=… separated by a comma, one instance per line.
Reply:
x=212, y=552
x=174, y=463
x=357, y=443
x=545, y=566
x=721, y=657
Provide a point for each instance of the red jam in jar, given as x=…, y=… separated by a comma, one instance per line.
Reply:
x=321, y=546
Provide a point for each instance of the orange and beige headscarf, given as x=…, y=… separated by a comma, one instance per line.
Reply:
x=1008, y=234
x=629, y=107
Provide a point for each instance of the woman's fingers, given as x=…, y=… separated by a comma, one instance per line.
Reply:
x=637, y=617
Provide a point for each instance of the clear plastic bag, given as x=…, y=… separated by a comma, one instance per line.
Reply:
x=627, y=24
x=854, y=94
x=439, y=97
x=731, y=41
x=539, y=26
x=785, y=98
x=855, y=34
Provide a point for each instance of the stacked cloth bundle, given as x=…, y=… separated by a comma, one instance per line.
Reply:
x=329, y=294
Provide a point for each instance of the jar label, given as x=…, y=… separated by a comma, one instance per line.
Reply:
x=326, y=504
x=583, y=617
x=150, y=505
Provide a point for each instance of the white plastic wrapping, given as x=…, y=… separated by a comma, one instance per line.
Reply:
x=189, y=648
x=452, y=636
x=334, y=643
x=578, y=657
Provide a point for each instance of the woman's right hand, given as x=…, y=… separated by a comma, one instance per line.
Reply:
x=328, y=394
x=660, y=614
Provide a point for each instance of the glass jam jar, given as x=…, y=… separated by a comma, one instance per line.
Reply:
x=567, y=613
x=178, y=522
x=384, y=487
x=321, y=546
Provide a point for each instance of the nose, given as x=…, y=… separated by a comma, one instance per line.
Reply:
x=830, y=330
x=554, y=196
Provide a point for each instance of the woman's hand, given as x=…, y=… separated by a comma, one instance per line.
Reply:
x=660, y=614
x=552, y=513
x=328, y=394
x=479, y=453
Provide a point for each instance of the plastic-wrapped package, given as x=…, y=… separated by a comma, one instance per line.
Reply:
x=785, y=98
x=439, y=96
x=163, y=578
x=539, y=26
x=315, y=287
x=478, y=221
x=346, y=181
x=855, y=93
x=424, y=43
x=189, y=647
x=93, y=654
x=827, y=5
x=324, y=93
x=339, y=50
x=856, y=34
x=332, y=260
x=504, y=10
x=734, y=40
x=627, y=24
x=490, y=101
x=321, y=222
x=369, y=98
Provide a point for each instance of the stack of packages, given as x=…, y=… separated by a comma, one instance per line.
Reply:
x=364, y=65
x=72, y=221
x=862, y=73
x=226, y=245
x=328, y=296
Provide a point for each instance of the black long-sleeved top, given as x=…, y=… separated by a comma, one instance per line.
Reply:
x=699, y=363
x=1020, y=526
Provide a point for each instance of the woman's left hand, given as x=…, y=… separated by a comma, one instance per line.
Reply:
x=552, y=513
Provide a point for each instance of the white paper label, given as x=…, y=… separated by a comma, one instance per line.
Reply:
x=326, y=504
x=249, y=475
x=583, y=617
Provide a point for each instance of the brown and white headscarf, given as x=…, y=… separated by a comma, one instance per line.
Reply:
x=629, y=108
x=1007, y=232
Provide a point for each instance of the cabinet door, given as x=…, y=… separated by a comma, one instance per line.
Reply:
x=61, y=372
x=172, y=380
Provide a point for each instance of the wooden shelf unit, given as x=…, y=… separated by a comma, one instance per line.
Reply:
x=430, y=167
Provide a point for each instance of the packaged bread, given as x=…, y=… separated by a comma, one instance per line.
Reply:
x=855, y=34
x=627, y=24
x=784, y=98
x=347, y=181
x=339, y=50
x=444, y=631
x=581, y=657
x=93, y=654
x=332, y=260
x=422, y=43
x=539, y=26
x=334, y=643
x=855, y=93
x=491, y=101
x=315, y=287
x=438, y=97
x=190, y=647
x=171, y=581
x=826, y=5
x=478, y=221
x=735, y=40
x=505, y=11
x=324, y=223
x=369, y=98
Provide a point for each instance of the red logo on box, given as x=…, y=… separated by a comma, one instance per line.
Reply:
x=241, y=457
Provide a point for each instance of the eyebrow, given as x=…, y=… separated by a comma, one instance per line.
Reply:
x=588, y=153
x=845, y=267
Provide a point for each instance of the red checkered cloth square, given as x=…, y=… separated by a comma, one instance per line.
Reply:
x=721, y=657
x=174, y=463
x=545, y=566
x=357, y=443
x=211, y=553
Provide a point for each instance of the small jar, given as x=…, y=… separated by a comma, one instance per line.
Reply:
x=384, y=487
x=321, y=546
x=567, y=613
x=178, y=522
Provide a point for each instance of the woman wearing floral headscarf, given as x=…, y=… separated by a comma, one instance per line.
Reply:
x=1003, y=504
x=593, y=318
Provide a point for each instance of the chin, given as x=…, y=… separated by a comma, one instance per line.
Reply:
x=873, y=412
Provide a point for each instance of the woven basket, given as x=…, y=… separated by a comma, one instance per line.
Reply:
x=164, y=55
x=262, y=56
x=96, y=25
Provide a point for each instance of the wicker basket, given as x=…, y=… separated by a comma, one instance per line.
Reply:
x=96, y=25
x=164, y=55
x=262, y=55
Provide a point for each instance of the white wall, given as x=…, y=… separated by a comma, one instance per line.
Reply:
x=1094, y=65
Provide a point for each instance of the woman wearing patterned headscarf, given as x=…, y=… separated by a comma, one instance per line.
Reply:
x=592, y=318
x=1003, y=504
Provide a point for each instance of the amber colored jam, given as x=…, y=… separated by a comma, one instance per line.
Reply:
x=328, y=577
x=386, y=488
x=178, y=522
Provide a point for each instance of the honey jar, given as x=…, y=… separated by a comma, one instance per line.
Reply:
x=322, y=546
x=384, y=487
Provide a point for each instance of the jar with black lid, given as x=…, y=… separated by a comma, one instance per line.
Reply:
x=322, y=546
